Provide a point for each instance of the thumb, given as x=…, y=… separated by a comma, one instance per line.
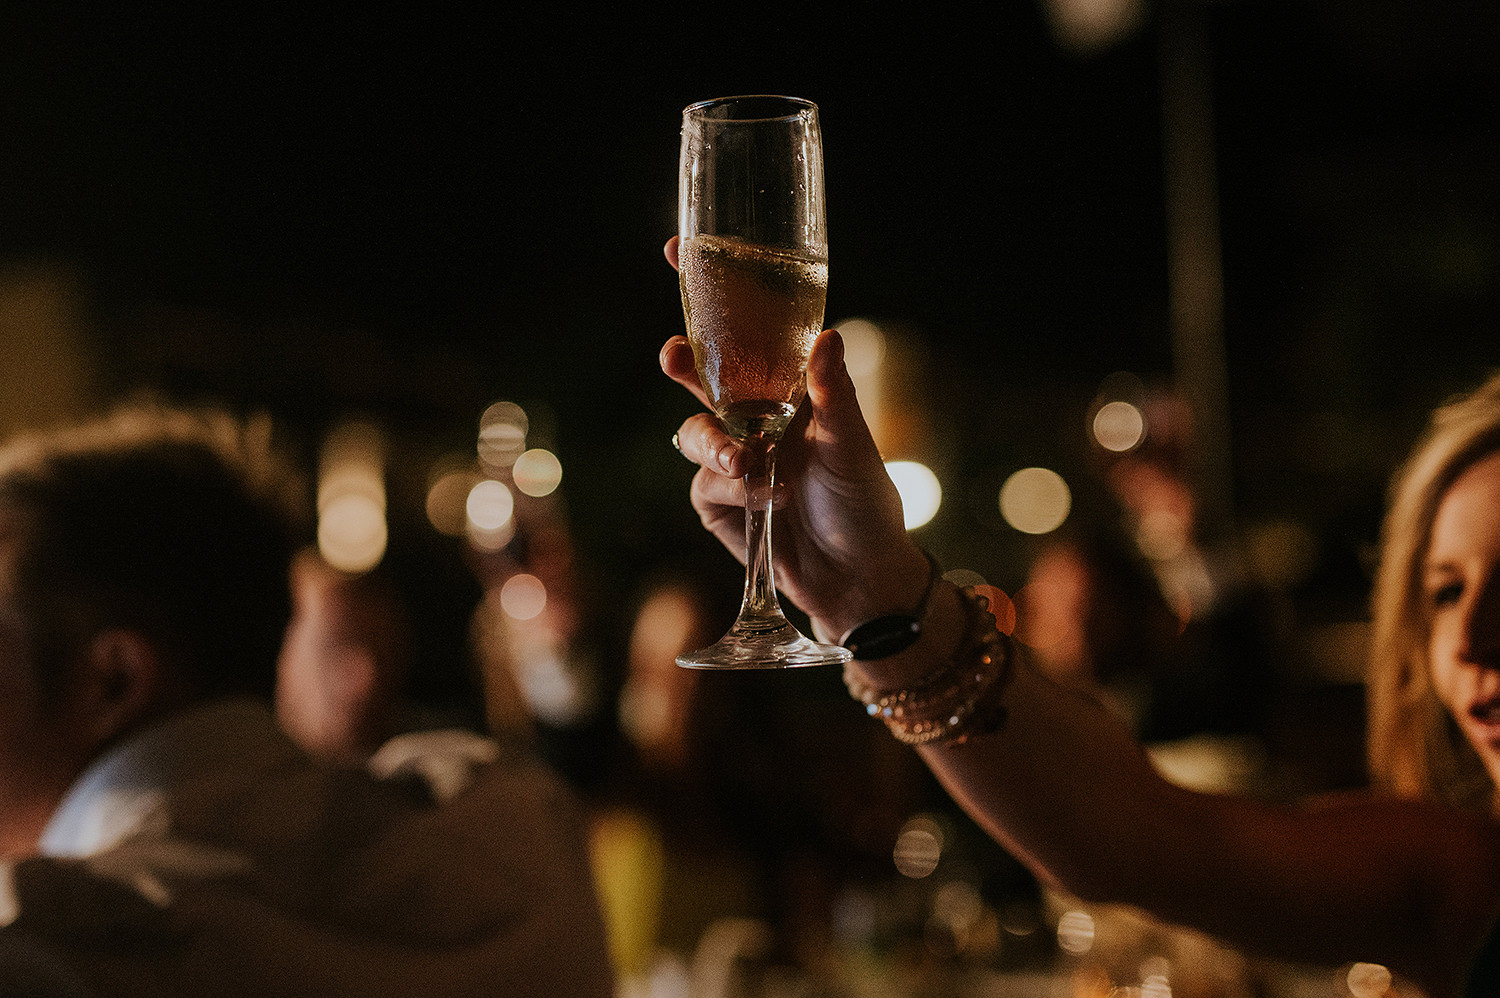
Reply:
x=835, y=405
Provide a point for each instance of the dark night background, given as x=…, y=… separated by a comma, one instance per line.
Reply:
x=408, y=213
x=345, y=210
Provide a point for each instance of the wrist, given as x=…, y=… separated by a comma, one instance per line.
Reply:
x=892, y=633
x=897, y=586
x=941, y=633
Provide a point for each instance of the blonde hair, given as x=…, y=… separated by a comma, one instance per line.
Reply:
x=1415, y=748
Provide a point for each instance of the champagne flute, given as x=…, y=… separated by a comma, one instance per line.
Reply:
x=753, y=263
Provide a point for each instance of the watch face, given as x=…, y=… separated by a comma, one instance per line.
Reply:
x=883, y=636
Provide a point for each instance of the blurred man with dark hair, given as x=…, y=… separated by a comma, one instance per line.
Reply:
x=158, y=833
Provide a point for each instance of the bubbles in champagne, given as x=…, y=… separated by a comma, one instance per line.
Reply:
x=752, y=315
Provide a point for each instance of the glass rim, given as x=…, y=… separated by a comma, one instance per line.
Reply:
x=797, y=107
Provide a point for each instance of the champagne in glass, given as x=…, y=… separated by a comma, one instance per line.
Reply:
x=753, y=260
x=752, y=315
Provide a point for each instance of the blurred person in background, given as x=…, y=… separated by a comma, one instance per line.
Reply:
x=388, y=651
x=345, y=660
x=741, y=805
x=160, y=834
x=1411, y=883
x=536, y=634
x=1218, y=678
x=1096, y=620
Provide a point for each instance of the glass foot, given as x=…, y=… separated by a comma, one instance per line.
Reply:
x=777, y=645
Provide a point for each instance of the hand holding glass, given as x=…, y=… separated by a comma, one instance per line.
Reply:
x=753, y=262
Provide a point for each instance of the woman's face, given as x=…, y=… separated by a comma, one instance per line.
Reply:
x=1461, y=586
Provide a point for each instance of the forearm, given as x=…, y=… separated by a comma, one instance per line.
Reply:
x=1064, y=787
x=1061, y=784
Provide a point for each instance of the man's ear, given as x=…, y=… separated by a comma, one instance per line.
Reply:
x=123, y=680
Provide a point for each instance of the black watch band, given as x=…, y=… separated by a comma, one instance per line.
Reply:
x=895, y=632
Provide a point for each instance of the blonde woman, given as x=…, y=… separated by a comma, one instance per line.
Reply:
x=1435, y=678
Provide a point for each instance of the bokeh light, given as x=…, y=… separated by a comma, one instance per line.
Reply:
x=491, y=540
x=919, y=847
x=1088, y=26
x=961, y=577
x=921, y=494
x=490, y=505
x=864, y=347
x=1001, y=606
x=502, y=435
x=1162, y=534
x=1075, y=932
x=961, y=922
x=1035, y=500
x=1155, y=986
x=1369, y=980
x=1119, y=426
x=865, y=351
x=537, y=472
x=489, y=511
x=958, y=906
x=352, y=532
x=523, y=597
x=447, y=501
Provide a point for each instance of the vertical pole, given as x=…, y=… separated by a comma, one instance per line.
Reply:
x=1195, y=266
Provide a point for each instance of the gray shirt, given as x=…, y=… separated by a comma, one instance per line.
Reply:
x=209, y=856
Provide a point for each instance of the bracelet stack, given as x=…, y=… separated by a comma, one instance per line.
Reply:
x=957, y=701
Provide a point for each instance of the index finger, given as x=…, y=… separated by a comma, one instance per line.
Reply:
x=678, y=364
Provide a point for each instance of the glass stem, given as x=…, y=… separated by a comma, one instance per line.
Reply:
x=760, y=603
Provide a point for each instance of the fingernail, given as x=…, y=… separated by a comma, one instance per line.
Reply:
x=724, y=456
x=830, y=358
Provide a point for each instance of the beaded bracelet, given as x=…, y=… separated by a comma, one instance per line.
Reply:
x=960, y=698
